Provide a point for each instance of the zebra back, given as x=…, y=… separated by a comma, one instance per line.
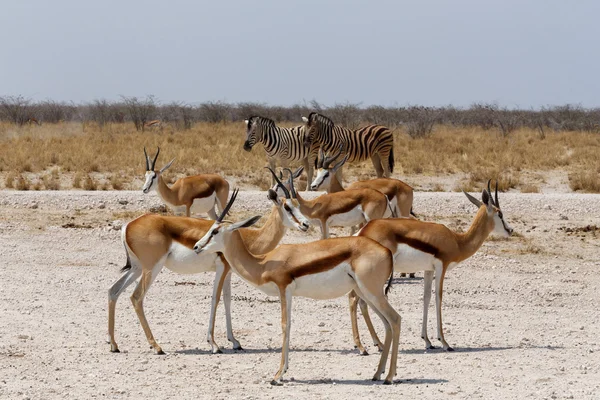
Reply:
x=283, y=143
x=359, y=144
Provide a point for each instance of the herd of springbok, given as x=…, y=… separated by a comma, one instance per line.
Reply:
x=386, y=235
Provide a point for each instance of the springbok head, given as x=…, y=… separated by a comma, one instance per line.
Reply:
x=152, y=174
x=325, y=169
x=494, y=213
x=215, y=239
x=293, y=218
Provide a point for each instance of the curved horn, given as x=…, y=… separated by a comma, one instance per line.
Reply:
x=320, y=158
x=291, y=182
x=329, y=160
x=155, y=157
x=496, y=195
x=489, y=190
x=147, y=161
x=229, y=204
x=285, y=191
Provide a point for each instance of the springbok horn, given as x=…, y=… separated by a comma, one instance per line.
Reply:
x=147, y=160
x=496, y=195
x=489, y=190
x=155, y=157
x=291, y=182
x=320, y=157
x=285, y=191
x=229, y=204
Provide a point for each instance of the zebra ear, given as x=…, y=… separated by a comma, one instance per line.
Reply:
x=304, y=119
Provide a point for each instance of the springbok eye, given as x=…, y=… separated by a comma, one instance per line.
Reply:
x=214, y=232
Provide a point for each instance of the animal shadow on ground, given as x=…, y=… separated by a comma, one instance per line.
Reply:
x=368, y=382
x=261, y=351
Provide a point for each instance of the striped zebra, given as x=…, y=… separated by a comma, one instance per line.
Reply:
x=373, y=141
x=285, y=144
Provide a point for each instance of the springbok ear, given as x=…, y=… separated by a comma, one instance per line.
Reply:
x=163, y=169
x=298, y=172
x=486, y=198
x=244, y=224
x=340, y=163
x=473, y=200
x=272, y=195
x=304, y=119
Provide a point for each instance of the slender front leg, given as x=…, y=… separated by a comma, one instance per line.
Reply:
x=113, y=295
x=286, y=310
x=227, y=302
x=137, y=298
x=187, y=210
x=364, y=309
x=308, y=170
x=352, y=301
x=324, y=230
x=221, y=271
x=440, y=272
x=428, y=278
x=272, y=166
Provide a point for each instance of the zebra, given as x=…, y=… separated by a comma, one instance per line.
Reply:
x=285, y=144
x=374, y=141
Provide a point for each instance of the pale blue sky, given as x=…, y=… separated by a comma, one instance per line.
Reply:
x=514, y=52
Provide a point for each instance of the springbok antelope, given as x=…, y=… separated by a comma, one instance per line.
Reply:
x=398, y=193
x=347, y=209
x=198, y=193
x=154, y=124
x=320, y=270
x=435, y=249
x=32, y=120
x=153, y=241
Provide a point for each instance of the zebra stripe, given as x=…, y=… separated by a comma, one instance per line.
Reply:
x=373, y=141
x=280, y=143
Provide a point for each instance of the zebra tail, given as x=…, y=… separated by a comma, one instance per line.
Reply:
x=391, y=160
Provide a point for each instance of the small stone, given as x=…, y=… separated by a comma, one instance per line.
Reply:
x=123, y=202
x=321, y=324
x=33, y=205
x=116, y=224
x=101, y=206
x=547, y=207
x=563, y=217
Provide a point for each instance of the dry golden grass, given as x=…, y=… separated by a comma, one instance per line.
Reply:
x=530, y=188
x=116, y=153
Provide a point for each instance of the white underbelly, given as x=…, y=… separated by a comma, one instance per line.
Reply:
x=409, y=259
x=350, y=218
x=204, y=204
x=184, y=260
x=329, y=284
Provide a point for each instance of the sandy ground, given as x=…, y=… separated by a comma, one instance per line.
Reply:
x=522, y=313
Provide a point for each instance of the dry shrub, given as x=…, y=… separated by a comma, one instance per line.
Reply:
x=22, y=183
x=437, y=187
x=116, y=182
x=89, y=183
x=51, y=181
x=9, y=180
x=586, y=181
x=77, y=180
x=530, y=188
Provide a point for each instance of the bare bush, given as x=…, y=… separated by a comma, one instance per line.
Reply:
x=215, y=111
x=54, y=112
x=420, y=121
x=346, y=114
x=16, y=109
x=140, y=111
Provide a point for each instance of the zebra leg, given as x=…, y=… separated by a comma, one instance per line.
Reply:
x=377, y=164
x=272, y=166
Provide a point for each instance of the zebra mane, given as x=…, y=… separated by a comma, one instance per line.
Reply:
x=320, y=118
x=261, y=120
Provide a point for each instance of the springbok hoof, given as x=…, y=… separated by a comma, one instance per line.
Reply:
x=115, y=351
x=159, y=352
x=386, y=382
x=276, y=383
x=450, y=349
